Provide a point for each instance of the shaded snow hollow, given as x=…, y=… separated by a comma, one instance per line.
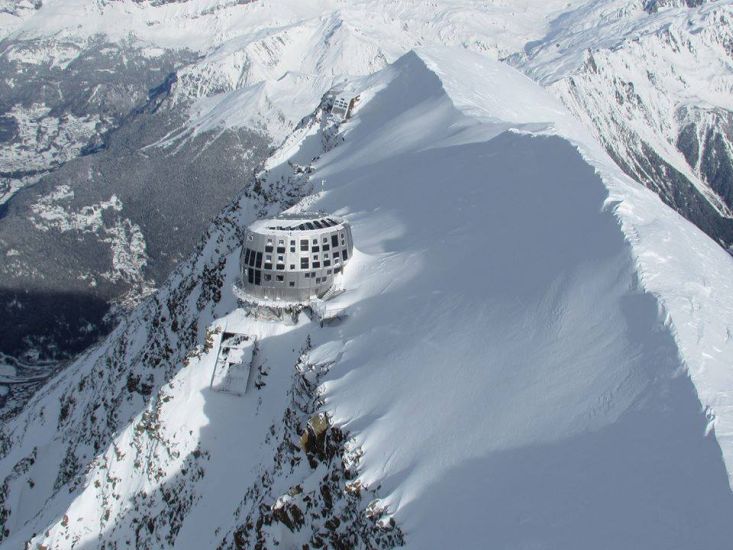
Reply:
x=536, y=351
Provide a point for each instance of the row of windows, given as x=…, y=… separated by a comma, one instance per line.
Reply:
x=253, y=258
x=255, y=277
x=303, y=261
x=305, y=244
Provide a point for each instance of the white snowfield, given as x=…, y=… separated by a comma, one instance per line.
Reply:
x=537, y=352
x=496, y=27
x=539, y=348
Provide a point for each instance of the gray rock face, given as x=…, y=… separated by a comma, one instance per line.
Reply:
x=677, y=191
x=653, y=6
x=706, y=140
x=339, y=512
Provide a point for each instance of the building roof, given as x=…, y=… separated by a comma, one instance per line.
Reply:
x=301, y=222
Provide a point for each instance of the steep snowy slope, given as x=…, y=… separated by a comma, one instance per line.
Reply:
x=528, y=358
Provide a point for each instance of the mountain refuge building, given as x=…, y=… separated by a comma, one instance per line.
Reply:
x=294, y=257
x=343, y=105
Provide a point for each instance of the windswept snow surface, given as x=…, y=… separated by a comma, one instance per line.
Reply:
x=535, y=353
x=510, y=378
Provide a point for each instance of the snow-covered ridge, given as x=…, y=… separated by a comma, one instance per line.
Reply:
x=688, y=274
x=515, y=352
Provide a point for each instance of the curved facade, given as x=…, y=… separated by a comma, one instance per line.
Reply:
x=294, y=257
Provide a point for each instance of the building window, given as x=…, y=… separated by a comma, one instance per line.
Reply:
x=326, y=263
x=292, y=243
x=336, y=259
x=251, y=276
x=292, y=283
x=313, y=273
x=268, y=257
x=344, y=254
x=281, y=258
x=337, y=270
x=326, y=247
x=258, y=274
x=315, y=249
x=280, y=278
x=325, y=239
x=246, y=256
x=316, y=265
x=268, y=265
x=307, y=275
x=281, y=242
x=258, y=263
x=281, y=267
x=304, y=245
x=269, y=242
x=268, y=277
x=304, y=263
x=315, y=241
x=315, y=256
x=281, y=250
x=334, y=240
x=329, y=271
x=292, y=249
x=268, y=248
x=292, y=266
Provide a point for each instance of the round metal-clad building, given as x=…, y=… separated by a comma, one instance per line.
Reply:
x=294, y=257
